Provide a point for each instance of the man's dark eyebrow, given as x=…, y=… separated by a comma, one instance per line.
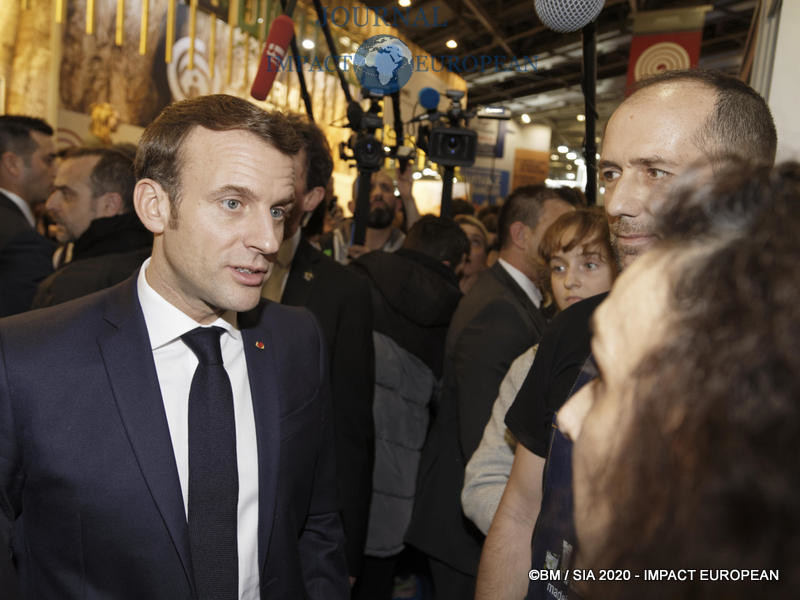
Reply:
x=652, y=161
x=645, y=161
x=605, y=163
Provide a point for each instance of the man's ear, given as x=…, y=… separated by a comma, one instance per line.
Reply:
x=151, y=203
x=519, y=234
x=312, y=198
x=12, y=163
x=109, y=205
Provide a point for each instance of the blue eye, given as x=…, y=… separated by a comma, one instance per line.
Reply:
x=278, y=212
x=231, y=204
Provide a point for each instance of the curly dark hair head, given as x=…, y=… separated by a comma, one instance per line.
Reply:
x=707, y=477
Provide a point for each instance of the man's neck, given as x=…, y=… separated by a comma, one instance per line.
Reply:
x=376, y=238
x=517, y=260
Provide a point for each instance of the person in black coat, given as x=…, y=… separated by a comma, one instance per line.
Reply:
x=340, y=300
x=414, y=293
x=27, y=161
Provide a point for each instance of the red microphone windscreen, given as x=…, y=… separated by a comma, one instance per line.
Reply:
x=280, y=35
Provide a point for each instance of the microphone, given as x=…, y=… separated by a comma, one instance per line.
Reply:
x=429, y=99
x=566, y=16
x=280, y=35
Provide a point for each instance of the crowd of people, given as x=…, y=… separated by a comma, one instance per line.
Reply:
x=207, y=391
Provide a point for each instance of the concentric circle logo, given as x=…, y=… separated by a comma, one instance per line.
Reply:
x=664, y=56
x=383, y=64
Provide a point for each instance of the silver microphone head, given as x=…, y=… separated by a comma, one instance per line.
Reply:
x=566, y=16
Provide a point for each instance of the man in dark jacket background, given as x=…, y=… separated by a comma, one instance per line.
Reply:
x=415, y=293
x=104, y=241
x=304, y=276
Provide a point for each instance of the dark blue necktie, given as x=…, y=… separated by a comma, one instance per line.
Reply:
x=213, y=474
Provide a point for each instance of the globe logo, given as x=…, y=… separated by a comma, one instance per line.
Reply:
x=383, y=64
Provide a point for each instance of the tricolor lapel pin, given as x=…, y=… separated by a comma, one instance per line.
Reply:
x=260, y=345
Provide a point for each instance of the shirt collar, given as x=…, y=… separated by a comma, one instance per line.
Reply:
x=22, y=205
x=165, y=322
x=526, y=284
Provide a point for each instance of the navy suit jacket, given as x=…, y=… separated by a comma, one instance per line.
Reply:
x=25, y=259
x=87, y=463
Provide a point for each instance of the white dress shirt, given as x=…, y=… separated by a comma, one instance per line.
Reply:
x=526, y=284
x=22, y=205
x=175, y=365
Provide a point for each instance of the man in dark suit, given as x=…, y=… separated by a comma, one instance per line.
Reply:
x=494, y=323
x=341, y=302
x=27, y=168
x=171, y=437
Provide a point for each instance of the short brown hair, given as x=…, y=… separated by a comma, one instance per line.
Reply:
x=160, y=153
x=591, y=228
x=741, y=123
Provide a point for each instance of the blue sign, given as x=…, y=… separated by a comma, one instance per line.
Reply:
x=486, y=185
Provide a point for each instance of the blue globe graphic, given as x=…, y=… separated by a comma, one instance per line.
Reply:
x=383, y=64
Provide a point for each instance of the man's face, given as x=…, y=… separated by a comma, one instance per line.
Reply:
x=628, y=324
x=39, y=170
x=230, y=219
x=382, y=201
x=649, y=141
x=71, y=204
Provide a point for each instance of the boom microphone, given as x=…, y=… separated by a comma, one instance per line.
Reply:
x=280, y=35
x=566, y=16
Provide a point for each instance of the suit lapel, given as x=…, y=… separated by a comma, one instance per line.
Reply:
x=302, y=273
x=128, y=359
x=262, y=371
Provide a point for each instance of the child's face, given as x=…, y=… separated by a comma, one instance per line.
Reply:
x=580, y=273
